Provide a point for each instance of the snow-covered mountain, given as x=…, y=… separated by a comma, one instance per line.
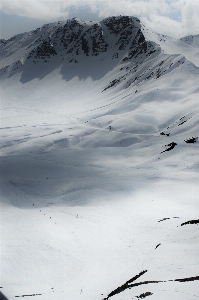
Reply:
x=192, y=40
x=99, y=162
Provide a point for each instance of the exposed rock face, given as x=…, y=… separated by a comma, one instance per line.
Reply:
x=75, y=38
x=113, y=41
x=45, y=49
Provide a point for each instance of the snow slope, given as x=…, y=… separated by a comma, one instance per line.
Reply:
x=99, y=163
x=192, y=40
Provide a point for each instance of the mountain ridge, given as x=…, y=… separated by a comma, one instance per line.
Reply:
x=122, y=39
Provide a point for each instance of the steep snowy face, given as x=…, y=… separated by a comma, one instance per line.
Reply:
x=71, y=39
x=77, y=37
x=122, y=39
x=192, y=40
x=68, y=42
x=123, y=30
x=120, y=46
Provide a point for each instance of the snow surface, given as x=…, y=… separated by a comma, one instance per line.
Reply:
x=90, y=194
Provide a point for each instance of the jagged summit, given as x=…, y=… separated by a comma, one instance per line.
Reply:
x=121, y=42
x=192, y=40
x=74, y=40
x=73, y=31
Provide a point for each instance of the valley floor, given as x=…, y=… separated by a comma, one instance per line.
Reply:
x=79, y=223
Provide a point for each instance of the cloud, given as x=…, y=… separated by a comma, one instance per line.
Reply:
x=38, y=9
x=190, y=16
x=164, y=25
x=158, y=15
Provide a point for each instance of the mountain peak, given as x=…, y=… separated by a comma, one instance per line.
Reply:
x=113, y=41
x=119, y=38
x=192, y=40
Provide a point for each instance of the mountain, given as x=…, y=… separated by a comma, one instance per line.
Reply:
x=99, y=162
x=192, y=40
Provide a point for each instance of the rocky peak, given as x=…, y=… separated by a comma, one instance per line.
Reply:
x=120, y=38
x=118, y=25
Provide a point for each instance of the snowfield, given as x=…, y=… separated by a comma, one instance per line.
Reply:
x=99, y=164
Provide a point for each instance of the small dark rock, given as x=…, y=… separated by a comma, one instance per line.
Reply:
x=190, y=222
x=157, y=246
x=171, y=146
x=144, y=295
x=191, y=140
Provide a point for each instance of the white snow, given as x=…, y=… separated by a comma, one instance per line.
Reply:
x=84, y=185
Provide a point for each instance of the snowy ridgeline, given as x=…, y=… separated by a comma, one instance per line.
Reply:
x=99, y=163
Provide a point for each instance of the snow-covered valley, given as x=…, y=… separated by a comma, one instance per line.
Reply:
x=99, y=163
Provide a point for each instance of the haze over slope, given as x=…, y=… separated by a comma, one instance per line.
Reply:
x=99, y=162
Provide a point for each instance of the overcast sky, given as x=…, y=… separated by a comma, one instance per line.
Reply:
x=175, y=18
